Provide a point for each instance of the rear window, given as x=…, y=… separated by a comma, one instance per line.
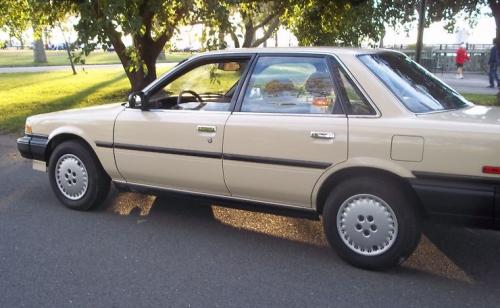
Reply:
x=416, y=88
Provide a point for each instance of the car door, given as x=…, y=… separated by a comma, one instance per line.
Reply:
x=287, y=129
x=177, y=142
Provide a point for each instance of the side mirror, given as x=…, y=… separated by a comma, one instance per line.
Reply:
x=137, y=100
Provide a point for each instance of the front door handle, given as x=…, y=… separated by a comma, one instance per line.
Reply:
x=206, y=128
x=322, y=135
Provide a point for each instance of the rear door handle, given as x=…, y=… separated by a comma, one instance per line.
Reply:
x=206, y=128
x=322, y=135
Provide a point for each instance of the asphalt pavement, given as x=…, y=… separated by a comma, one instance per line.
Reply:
x=143, y=251
x=472, y=83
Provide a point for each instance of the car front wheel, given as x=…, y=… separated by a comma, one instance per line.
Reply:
x=76, y=177
x=372, y=223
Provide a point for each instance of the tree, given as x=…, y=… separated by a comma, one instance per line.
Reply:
x=243, y=21
x=149, y=23
x=18, y=15
x=13, y=18
x=495, y=10
x=255, y=16
x=68, y=46
x=447, y=11
x=347, y=23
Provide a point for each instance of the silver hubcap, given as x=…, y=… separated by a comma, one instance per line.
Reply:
x=71, y=177
x=367, y=224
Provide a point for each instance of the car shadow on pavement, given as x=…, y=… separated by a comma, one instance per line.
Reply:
x=475, y=251
x=453, y=253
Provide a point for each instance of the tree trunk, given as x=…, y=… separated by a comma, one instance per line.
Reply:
x=221, y=39
x=21, y=41
x=495, y=9
x=381, y=43
x=70, y=59
x=272, y=27
x=249, y=36
x=235, y=39
x=140, y=78
x=68, y=51
x=39, y=55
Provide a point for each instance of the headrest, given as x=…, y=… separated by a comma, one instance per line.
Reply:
x=319, y=84
x=275, y=86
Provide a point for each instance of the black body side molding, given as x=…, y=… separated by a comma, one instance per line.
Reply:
x=233, y=157
x=473, y=201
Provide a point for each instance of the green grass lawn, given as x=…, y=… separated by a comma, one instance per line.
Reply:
x=13, y=58
x=481, y=99
x=25, y=94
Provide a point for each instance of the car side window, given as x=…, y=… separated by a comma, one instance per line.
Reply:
x=356, y=103
x=206, y=87
x=296, y=85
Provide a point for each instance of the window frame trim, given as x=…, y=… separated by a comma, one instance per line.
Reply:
x=329, y=60
x=194, y=62
x=358, y=56
x=358, y=87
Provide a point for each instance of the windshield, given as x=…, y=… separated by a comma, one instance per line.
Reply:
x=416, y=88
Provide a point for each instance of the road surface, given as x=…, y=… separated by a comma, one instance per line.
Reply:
x=142, y=251
x=472, y=83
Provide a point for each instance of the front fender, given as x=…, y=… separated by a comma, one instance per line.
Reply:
x=105, y=155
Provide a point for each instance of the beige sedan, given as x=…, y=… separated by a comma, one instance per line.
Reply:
x=366, y=139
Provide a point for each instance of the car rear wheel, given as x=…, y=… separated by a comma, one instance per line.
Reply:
x=372, y=222
x=76, y=177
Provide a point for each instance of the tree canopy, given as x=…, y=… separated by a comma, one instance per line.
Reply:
x=247, y=23
x=316, y=22
x=16, y=16
x=150, y=24
x=344, y=22
x=13, y=16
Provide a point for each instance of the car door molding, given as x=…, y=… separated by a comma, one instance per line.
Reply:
x=162, y=150
x=104, y=144
x=277, y=161
x=216, y=155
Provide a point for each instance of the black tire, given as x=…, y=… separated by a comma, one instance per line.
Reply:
x=98, y=181
x=403, y=206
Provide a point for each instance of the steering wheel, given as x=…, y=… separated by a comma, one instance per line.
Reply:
x=195, y=95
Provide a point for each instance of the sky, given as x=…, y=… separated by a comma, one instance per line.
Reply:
x=482, y=33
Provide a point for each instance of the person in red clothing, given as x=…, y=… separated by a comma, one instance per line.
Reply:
x=460, y=59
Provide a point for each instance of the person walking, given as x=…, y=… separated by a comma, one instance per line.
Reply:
x=493, y=62
x=460, y=59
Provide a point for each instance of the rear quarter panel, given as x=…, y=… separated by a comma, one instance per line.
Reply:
x=451, y=144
